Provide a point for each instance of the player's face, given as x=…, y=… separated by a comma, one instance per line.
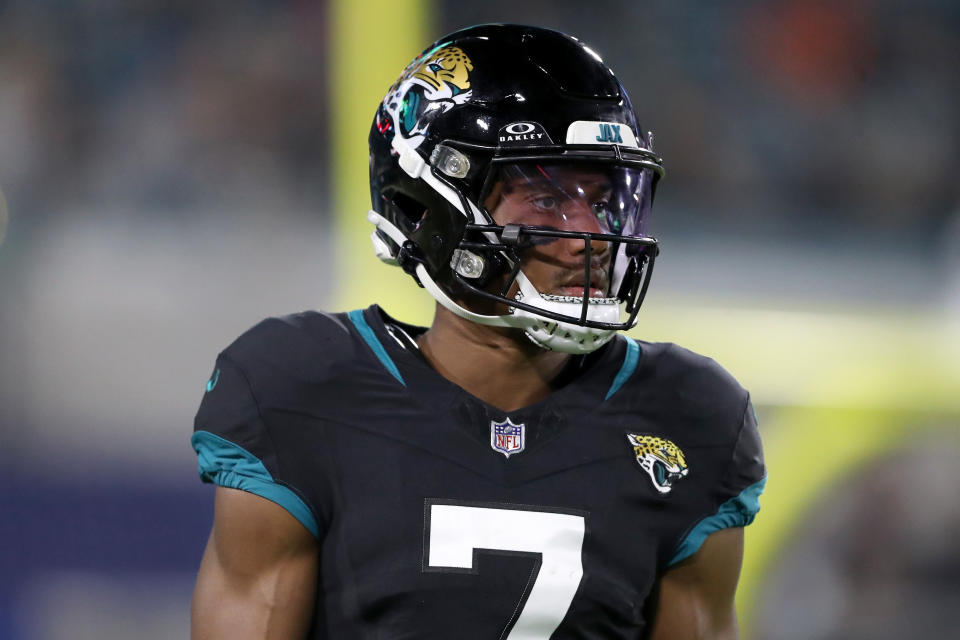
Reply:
x=567, y=198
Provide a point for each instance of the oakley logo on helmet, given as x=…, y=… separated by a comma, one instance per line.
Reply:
x=523, y=133
x=520, y=128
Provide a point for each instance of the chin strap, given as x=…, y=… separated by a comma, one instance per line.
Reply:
x=549, y=334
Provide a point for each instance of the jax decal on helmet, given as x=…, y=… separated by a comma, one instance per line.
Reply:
x=497, y=100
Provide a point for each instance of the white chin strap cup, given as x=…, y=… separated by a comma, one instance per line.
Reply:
x=565, y=337
x=554, y=335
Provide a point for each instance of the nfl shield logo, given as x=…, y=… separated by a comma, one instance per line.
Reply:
x=506, y=437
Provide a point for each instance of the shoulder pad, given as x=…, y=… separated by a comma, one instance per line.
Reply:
x=309, y=344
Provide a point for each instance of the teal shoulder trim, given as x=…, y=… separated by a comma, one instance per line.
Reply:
x=226, y=464
x=735, y=512
x=630, y=360
x=356, y=317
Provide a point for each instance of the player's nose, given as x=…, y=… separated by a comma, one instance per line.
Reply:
x=579, y=216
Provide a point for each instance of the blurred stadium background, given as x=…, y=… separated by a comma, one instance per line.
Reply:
x=172, y=171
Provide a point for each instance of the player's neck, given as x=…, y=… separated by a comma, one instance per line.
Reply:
x=499, y=366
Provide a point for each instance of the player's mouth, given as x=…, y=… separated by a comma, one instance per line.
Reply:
x=574, y=285
x=577, y=292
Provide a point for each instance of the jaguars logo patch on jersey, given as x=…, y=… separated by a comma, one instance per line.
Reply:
x=661, y=459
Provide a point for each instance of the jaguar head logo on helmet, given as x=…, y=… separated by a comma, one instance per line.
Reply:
x=510, y=178
x=432, y=84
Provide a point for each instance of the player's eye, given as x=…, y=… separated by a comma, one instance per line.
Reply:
x=546, y=203
x=602, y=209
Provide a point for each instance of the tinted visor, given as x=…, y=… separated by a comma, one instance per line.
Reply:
x=572, y=196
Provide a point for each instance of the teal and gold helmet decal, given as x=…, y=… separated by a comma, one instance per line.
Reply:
x=432, y=84
x=447, y=67
x=661, y=459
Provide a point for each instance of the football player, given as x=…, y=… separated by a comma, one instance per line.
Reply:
x=520, y=469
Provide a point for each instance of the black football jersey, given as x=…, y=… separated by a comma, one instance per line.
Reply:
x=439, y=516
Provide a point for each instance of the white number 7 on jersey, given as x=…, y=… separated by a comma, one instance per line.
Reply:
x=455, y=531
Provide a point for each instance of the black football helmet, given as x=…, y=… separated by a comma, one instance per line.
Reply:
x=495, y=103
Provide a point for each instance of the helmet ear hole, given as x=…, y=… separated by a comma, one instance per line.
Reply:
x=411, y=209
